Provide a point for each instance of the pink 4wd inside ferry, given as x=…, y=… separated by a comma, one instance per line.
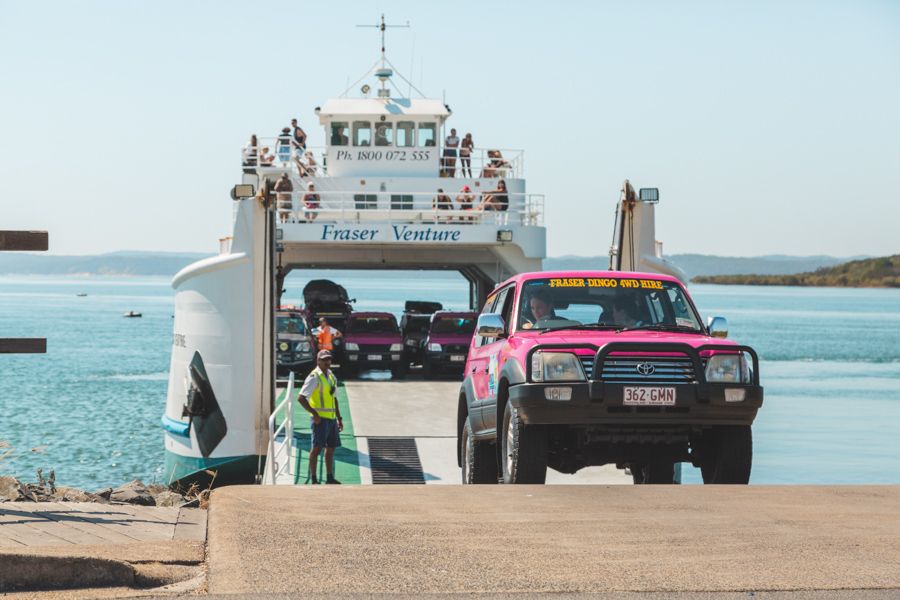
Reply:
x=372, y=341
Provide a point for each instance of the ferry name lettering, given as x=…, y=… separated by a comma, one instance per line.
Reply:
x=334, y=234
x=402, y=233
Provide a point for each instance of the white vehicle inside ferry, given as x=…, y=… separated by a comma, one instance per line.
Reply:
x=395, y=188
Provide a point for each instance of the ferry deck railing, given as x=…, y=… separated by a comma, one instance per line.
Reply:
x=312, y=160
x=274, y=468
x=526, y=210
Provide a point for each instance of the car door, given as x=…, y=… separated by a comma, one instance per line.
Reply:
x=497, y=350
x=482, y=367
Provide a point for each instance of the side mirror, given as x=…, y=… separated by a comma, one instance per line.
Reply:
x=718, y=327
x=490, y=325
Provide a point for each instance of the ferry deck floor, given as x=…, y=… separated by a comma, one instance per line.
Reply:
x=403, y=432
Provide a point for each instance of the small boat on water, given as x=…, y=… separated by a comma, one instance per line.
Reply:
x=81, y=295
x=132, y=314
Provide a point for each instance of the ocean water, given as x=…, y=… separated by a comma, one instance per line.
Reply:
x=90, y=407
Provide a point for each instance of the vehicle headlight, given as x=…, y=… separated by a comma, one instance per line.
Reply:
x=396, y=347
x=730, y=368
x=351, y=346
x=302, y=347
x=556, y=366
x=434, y=347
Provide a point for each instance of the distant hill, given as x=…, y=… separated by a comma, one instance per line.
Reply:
x=169, y=263
x=113, y=263
x=870, y=272
x=704, y=264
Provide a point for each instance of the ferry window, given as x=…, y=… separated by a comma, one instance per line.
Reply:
x=384, y=134
x=339, y=131
x=406, y=134
x=362, y=133
x=426, y=134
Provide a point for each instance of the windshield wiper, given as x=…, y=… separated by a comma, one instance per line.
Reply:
x=660, y=327
x=576, y=327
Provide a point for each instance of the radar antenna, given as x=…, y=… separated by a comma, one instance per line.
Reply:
x=382, y=26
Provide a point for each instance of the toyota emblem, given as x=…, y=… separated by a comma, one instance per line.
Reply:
x=645, y=369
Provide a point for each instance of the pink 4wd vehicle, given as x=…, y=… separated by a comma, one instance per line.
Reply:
x=574, y=369
x=372, y=340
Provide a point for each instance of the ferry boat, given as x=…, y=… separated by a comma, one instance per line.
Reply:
x=371, y=198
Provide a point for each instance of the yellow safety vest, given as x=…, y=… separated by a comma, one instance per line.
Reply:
x=322, y=399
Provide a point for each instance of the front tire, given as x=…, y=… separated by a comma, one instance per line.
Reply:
x=398, y=373
x=523, y=449
x=478, y=459
x=653, y=473
x=728, y=455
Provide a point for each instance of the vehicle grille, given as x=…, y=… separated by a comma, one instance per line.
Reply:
x=374, y=348
x=623, y=369
x=456, y=349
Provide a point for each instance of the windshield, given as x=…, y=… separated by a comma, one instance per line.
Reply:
x=373, y=325
x=291, y=325
x=417, y=325
x=612, y=302
x=457, y=325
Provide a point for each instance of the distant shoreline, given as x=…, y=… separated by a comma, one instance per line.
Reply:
x=883, y=272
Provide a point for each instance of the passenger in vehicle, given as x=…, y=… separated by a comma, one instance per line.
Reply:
x=283, y=192
x=441, y=202
x=249, y=154
x=266, y=159
x=625, y=312
x=466, y=200
x=451, y=143
x=283, y=146
x=496, y=200
x=311, y=202
x=465, y=155
x=338, y=137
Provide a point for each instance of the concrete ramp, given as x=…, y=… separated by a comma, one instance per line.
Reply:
x=426, y=412
x=320, y=540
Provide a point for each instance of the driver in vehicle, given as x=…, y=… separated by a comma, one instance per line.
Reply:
x=541, y=306
x=625, y=312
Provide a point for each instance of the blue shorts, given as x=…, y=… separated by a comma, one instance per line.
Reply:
x=325, y=434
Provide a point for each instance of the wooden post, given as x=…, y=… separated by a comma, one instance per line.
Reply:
x=36, y=241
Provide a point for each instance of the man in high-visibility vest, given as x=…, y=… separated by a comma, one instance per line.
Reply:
x=325, y=335
x=319, y=397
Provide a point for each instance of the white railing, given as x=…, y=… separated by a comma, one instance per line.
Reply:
x=312, y=161
x=273, y=467
x=481, y=208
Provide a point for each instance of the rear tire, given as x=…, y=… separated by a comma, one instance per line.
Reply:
x=523, y=449
x=428, y=370
x=729, y=455
x=478, y=460
x=398, y=373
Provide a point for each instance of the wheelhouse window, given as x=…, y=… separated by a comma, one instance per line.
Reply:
x=612, y=303
x=427, y=135
x=406, y=134
x=362, y=133
x=339, y=130
x=384, y=134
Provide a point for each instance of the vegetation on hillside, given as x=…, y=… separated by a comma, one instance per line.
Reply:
x=870, y=272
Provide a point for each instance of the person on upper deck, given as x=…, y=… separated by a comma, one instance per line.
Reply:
x=265, y=159
x=311, y=201
x=466, y=199
x=338, y=137
x=283, y=197
x=497, y=200
x=465, y=155
x=299, y=136
x=451, y=143
x=442, y=202
x=250, y=153
x=283, y=146
x=496, y=167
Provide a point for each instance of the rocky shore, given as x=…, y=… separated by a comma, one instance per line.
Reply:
x=134, y=492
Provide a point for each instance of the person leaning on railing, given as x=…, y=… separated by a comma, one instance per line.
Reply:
x=496, y=200
x=465, y=155
x=441, y=202
x=311, y=202
x=466, y=199
x=265, y=159
x=249, y=154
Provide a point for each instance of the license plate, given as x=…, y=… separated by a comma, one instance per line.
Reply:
x=374, y=357
x=648, y=396
x=457, y=358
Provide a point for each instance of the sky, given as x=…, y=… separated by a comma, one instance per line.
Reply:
x=769, y=127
